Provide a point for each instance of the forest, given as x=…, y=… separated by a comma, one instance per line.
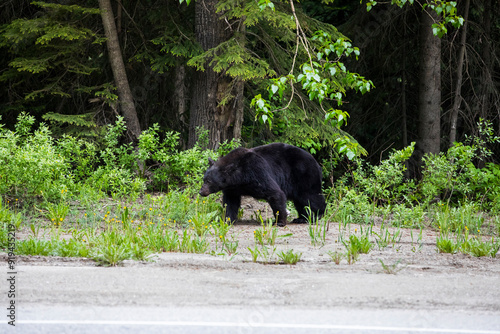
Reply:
x=110, y=110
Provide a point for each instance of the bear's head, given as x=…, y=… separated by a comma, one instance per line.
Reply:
x=211, y=179
x=218, y=176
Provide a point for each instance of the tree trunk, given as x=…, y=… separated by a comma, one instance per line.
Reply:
x=404, y=127
x=180, y=94
x=238, y=109
x=238, y=101
x=458, y=89
x=209, y=88
x=120, y=76
x=487, y=82
x=119, y=17
x=230, y=116
x=429, y=87
x=209, y=31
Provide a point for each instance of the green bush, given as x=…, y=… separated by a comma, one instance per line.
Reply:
x=456, y=176
x=452, y=176
x=385, y=183
x=351, y=206
x=178, y=167
x=80, y=154
x=117, y=181
x=114, y=154
x=35, y=165
x=30, y=163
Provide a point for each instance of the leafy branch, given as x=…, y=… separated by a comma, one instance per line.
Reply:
x=323, y=77
x=447, y=10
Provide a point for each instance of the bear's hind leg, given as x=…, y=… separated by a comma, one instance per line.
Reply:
x=301, y=211
x=317, y=205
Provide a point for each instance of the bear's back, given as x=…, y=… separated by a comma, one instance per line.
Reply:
x=286, y=155
x=293, y=168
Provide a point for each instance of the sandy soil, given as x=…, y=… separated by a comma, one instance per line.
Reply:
x=408, y=255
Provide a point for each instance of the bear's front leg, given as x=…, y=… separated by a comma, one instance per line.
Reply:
x=277, y=201
x=231, y=203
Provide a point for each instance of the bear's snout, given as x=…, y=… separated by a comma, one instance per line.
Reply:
x=204, y=191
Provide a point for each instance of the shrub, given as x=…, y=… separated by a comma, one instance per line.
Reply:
x=385, y=183
x=353, y=207
x=80, y=154
x=31, y=165
x=454, y=176
x=117, y=181
x=114, y=154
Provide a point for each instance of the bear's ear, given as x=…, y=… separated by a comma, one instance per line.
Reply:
x=210, y=162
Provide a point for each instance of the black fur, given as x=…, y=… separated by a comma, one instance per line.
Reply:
x=275, y=172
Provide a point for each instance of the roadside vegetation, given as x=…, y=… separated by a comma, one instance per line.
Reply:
x=111, y=202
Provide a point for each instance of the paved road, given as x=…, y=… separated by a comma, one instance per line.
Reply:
x=74, y=319
x=248, y=298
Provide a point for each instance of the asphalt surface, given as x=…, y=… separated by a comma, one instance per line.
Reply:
x=139, y=319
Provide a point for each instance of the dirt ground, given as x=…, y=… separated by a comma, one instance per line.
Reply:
x=409, y=255
x=403, y=257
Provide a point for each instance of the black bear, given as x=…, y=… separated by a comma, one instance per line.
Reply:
x=276, y=173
